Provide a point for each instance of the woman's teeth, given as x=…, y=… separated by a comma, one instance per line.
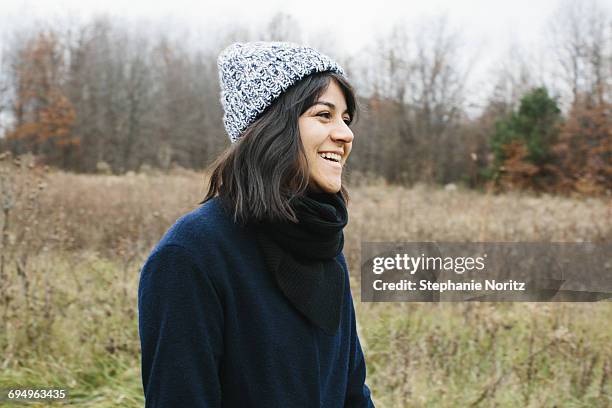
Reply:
x=331, y=156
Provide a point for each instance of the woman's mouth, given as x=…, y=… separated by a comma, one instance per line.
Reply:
x=333, y=159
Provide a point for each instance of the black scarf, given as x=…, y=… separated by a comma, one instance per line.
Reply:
x=301, y=257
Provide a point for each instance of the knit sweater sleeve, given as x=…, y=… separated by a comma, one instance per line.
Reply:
x=181, y=328
x=357, y=393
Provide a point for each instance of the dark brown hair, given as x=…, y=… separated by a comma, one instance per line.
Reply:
x=257, y=176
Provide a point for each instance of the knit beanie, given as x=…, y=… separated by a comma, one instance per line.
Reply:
x=252, y=75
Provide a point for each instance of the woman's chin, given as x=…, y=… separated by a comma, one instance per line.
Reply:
x=330, y=188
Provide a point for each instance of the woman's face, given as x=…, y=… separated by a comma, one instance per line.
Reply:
x=327, y=139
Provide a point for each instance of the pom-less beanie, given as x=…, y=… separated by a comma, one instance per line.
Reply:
x=252, y=75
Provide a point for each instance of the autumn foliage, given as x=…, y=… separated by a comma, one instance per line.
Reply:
x=584, y=151
x=536, y=151
x=103, y=98
x=44, y=115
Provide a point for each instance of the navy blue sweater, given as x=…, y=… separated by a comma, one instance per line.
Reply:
x=216, y=331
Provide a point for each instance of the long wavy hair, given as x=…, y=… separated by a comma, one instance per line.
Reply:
x=258, y=176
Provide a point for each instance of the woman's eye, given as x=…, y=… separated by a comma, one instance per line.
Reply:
x=327, y=115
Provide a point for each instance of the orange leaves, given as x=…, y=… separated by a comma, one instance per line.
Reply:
x=517, y=172
x=581, y=158
x=584, y=150
x=45, y=116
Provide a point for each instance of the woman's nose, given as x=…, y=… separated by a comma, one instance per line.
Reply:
x=342, y=133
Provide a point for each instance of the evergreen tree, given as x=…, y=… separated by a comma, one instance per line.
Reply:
x=534, y=125
x=522, y=143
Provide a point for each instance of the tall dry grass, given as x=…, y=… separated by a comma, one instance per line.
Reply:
x=74, y=244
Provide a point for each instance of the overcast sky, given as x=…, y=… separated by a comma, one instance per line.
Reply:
x=488, y=27
x=495, y=22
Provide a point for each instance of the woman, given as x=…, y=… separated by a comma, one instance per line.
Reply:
x=245, y=302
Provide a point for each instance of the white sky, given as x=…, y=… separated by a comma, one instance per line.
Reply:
x=488, y=27
x=492, y=21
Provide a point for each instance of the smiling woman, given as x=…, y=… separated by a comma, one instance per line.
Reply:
x=246, y=302
x=278, y=152
x=327, y=138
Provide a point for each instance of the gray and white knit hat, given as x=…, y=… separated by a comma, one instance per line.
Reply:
x=252, y=75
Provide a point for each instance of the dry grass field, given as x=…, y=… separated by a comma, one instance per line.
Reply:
x=72, y=246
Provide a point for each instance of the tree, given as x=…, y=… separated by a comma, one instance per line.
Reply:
x=415, y=83
x=584, y=152
x=44, y=115
x=522, y=143
x=582, y=40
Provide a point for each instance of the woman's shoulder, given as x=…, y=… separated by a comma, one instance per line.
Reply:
x=197, y=245
x=208, y=224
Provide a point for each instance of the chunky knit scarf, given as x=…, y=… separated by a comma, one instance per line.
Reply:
x=301, y=257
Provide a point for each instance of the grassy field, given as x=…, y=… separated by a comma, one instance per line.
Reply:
x=73, y=246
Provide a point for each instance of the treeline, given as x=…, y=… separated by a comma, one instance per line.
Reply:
x=99, y=97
